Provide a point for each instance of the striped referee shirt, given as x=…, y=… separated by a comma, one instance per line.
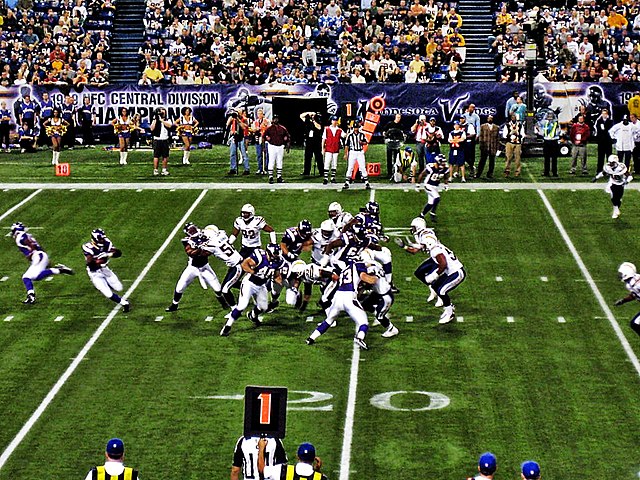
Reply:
x=355, y=141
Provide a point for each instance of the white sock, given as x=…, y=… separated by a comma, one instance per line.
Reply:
x=124, y=156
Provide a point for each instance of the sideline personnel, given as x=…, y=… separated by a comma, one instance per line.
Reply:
x=113, y=466
x=307, y=468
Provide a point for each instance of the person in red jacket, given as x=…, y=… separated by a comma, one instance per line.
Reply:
x=579, y=133
x=331, y=144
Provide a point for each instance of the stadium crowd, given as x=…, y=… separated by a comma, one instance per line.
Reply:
x=589, y=42
x=267, y=41
x=55, y=42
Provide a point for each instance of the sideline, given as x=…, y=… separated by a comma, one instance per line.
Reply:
x=94, y=338
x=297, y=186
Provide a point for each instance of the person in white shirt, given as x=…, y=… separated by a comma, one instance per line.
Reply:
x=308, y=465
x=624, y=134
x=113, y=466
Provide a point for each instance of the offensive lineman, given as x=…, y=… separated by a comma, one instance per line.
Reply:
x=198, y=267
x=433, y=174
x=220, y=247
x=250, y=225
x=448, y=272
x=631, y=279
x=97, y=254
x=261, y=266
x=339, y=217
x=38, y=258
x=618, y=178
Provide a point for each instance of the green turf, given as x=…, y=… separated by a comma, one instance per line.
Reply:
x=563, y=394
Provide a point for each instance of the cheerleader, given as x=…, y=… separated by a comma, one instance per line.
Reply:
x=56, y=127
x=122, y=126
x=186, y=127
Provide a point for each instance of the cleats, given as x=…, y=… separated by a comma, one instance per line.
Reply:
x=272, y=306
x=226, y=330
x=30, y=300
x=360, y=343
x=448, y=315
x=392, y=331
x=309, y=341
x=64, y=269
x=126, y=308
x=172, y=308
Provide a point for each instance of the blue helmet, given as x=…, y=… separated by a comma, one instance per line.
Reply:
x=408, y=149
x=190, y=229
x=358, y=230
x=530, y=470
x=304, y=227
x=17, y=227
x=274, y=250
x=487, y=464
x=98, y=236
x=373, y=208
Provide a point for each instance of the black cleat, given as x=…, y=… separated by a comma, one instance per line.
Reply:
x=325, y=182
x=394, y=289
x=309, y=341
x=30, y=300
x=226, y=330
x=272, y=306
x=126, y=308
x=254, y=318
x=172, y=308
x=280, y=180
x=64, y=269
x=271, y=180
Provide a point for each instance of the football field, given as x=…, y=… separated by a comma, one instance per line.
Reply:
x=539, y=365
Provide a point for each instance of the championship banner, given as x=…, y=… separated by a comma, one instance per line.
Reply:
x=374, y=105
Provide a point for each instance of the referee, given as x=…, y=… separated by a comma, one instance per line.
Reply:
x=354, y=153
x=160, y=132
x=113, y=466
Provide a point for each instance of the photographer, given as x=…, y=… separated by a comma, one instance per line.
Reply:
x=312, y=142
x=393, y=138
x=237, y=127
x=160, y=131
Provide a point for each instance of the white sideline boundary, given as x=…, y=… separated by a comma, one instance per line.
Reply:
x=296, y=186
x=345, y=457
x=19, y=204
x=94, y=338
x=594, y=288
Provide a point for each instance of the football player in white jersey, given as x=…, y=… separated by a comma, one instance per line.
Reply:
x=220, y=247
x=301, y=273
x=250, y=225
x=261, y=267
x=381, y=298
x=38, y=259
x=97, y=254
x=245, y=456
x=433, y=174
x=448, y=272
x=345, y=300
x=322, y=237
x=631, y=279
x=339, y=217
x=618, y=178
x=197, y=267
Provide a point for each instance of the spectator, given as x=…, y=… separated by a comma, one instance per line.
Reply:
x=153, y=73
x=28, y=138
x=519, y=109
x=513, y=133
x=489, y=144
x=601, y=131
x=623, y=134
x=5, y=126
x=579, y=134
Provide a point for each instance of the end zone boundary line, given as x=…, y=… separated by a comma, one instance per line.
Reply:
x=594, y=288
x=94, y=338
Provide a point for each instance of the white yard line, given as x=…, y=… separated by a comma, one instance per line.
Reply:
x=345, y=458
x=504, y=186
x=594, y=288
x=19, y=204
x=94, y=338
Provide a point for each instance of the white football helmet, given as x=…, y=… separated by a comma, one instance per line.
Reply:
x=211, y=231
x=627, y=270
x=335, y=209
x=428, y=238
x=418, y=224
x=327, y=228
x=298, y=267
x=247, y=211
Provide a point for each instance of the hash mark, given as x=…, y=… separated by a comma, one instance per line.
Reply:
x=4, y=279
x=409, y=319
x=309, y=319
x=105, y=190
x=58, y=318
x=159, y=318
x=507, y=190
x=544, y=279
x=208, y=319
x=408, y=279
x=510, y=320
x=8, y=318
x=139, y=190
x=48, y=279
x=561, y=320
x=498, y=279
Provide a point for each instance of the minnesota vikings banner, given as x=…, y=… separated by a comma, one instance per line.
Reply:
x=372, y=104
